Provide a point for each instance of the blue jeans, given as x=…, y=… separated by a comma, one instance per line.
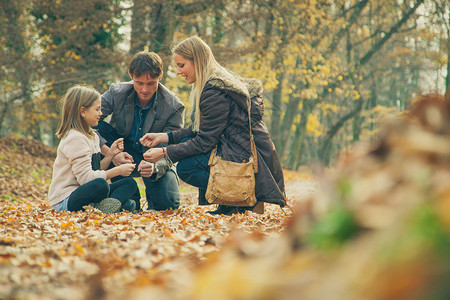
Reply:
x=194, y=170
x=163, y=193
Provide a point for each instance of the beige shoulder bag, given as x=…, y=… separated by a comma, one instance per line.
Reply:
x=232, y=183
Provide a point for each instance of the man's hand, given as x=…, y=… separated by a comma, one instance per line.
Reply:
x=154, y=154
x=146, y=168
x=122, y=158
x=152, y=139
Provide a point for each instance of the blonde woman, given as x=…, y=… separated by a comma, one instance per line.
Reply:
x=78, y=177
x=220, y=119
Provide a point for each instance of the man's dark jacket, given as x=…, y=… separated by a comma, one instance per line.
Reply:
x=166, y=114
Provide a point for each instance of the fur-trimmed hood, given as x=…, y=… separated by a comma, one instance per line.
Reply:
x=231, y=82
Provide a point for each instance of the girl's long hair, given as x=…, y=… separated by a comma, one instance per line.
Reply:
x=198, y=52
x=76, y=98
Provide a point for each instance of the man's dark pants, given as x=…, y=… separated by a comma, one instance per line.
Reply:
x=163, y=193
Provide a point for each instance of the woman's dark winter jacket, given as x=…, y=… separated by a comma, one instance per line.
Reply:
x=224, y=123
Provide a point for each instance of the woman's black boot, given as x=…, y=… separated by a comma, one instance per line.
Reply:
x=201, y=197
x=224, y=210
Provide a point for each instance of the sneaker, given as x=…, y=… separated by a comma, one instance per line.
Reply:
x=130, y=206
x=109, y=205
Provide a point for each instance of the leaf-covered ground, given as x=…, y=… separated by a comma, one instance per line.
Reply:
x=378, y=227
x=90, y=255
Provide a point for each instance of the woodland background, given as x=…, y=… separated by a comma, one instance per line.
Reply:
x=331, y=69
x=374, y=226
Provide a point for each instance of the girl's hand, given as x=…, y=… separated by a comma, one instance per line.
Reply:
x=154, y=154
x=126, y=169
x=122, y=158
x=116, y=147
x=150, y=140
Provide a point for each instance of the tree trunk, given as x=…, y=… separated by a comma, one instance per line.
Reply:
x=298, y=143
x=356, y=132
x=23, y=65
x=138, y=26
x=447, y=79
x=276, y=111
x=4, y=113
x=291, y=111
x=324, y=151
x=289, y=116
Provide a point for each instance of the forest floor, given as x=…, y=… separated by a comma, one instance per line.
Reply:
x=90, y=255
x=375, y=227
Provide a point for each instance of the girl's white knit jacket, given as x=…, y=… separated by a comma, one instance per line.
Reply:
x=73, y=165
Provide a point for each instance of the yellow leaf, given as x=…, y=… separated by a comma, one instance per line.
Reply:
x=78, y=250
x=167, y=233
x=65, y=225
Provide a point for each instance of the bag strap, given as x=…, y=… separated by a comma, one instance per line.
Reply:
x=252, y=140
x=212, y=157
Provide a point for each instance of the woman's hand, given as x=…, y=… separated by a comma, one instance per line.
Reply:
x=116, y=147
x=150, y=140
x=154, y=154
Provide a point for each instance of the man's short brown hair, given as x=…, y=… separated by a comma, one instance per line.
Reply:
x=146, y=62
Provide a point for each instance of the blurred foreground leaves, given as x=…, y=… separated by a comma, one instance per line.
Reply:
x=378, y=228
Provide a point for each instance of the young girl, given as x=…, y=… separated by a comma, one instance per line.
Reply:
x=79, y=178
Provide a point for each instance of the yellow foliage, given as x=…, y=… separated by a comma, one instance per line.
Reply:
x=313, y=126
x=327, y=108
x=339, y=91
x=308, y=94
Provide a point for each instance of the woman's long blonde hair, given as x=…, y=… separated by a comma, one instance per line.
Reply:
x=198, y=52
x=76, y=98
